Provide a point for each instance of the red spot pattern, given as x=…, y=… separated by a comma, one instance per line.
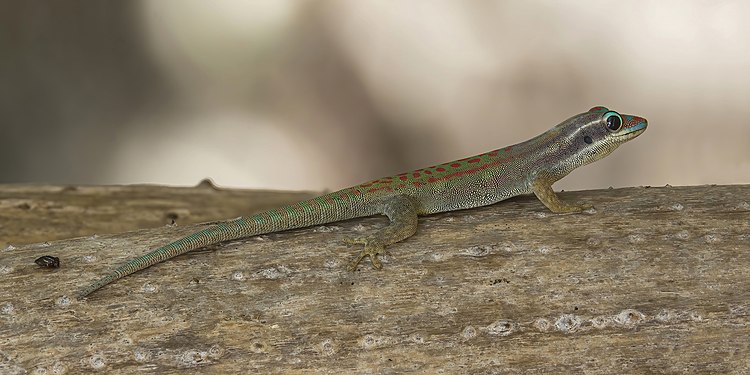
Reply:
x=474, y=170
x=425, y=174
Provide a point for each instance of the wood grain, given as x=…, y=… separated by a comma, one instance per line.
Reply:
x=653, y=280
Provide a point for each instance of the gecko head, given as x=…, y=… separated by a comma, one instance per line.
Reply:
x=593, y=135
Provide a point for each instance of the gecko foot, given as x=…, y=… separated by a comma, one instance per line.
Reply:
x=583, y=207
x=372, y=249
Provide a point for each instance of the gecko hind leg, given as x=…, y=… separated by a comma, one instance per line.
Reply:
x=402, y=212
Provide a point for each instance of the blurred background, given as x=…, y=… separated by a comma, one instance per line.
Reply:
x=316, y=95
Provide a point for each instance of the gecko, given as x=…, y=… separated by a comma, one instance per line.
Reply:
x=524, y=168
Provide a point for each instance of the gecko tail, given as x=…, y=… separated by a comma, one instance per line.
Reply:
x=83, y=293
x=284, y=218
x=159, y=255
x=218, y=233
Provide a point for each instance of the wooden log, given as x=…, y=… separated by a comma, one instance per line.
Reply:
x=39, y=213
x=653, y=280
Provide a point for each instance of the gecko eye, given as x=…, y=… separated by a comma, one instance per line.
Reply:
x=588, y=139
x=613, y=120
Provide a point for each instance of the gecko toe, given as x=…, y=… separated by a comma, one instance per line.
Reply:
x=354, y=241
x=371, y=250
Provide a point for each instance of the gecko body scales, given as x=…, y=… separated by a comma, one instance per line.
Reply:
x=524, y=168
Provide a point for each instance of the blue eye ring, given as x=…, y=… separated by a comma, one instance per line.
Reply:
x=613, y=121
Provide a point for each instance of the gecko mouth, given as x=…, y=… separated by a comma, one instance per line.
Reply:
x=634, y=131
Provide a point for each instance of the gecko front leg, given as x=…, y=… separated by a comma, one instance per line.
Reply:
x=402, y=212
x=542, y=188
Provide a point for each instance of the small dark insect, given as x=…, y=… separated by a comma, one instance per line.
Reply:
x=48, y=261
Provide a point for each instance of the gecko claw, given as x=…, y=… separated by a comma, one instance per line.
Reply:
x=583, y=207
x=371, y=250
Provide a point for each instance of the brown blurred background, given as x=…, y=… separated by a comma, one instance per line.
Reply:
x=324, y=94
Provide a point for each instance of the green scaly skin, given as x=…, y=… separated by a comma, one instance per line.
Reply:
x=528, y=167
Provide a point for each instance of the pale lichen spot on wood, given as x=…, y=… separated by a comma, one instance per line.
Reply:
x=7, y=308
x=542, y=324
x=237, y=276
x=63, y=301
x=258, y=347
x=695, y=316
x=149, y=288
x=568, y=323
x=664, y=316
x=326, y=228
x=469, y=332
x=274, y=273
x=192, y=358
x=479, y=250
x=97, y=362
x=682, y=235
x=593, y=241
x=629, y=318
x=370, y=341
x=417, y=338
x=601, y=322
x=712, y=238
x=327, y=347
x=544, y=249
x=502, y=328
x=636, y=238
x=141, y=355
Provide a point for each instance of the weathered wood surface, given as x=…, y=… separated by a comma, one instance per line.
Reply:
x=654, y=280
x=38, y=213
